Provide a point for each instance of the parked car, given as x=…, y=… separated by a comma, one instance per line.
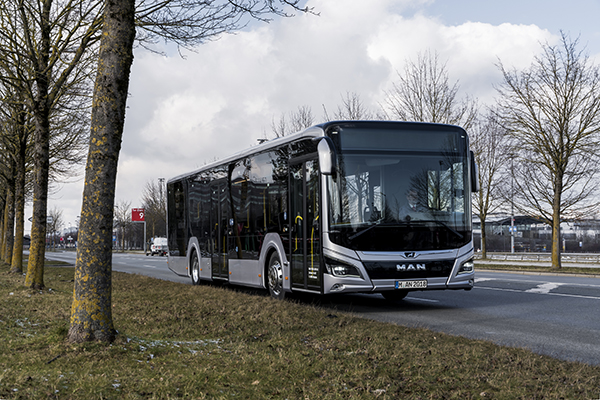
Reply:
x=159, y=246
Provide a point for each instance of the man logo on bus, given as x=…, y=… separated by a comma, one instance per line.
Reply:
x=411, y=267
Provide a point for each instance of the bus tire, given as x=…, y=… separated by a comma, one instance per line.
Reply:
x=394, y=295
x=275, y=277
x=195, y=269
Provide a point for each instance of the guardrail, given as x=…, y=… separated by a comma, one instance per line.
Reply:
x=591, y=258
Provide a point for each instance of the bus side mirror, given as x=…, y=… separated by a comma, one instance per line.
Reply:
x=327, y=156
x=474, y=174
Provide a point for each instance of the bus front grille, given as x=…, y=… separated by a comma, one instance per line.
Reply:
x=408, y=270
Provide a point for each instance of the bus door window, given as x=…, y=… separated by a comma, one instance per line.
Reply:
x=312, y=214
x=220, y=227
x=305, y=233
x=238, y=193
x=297, y=224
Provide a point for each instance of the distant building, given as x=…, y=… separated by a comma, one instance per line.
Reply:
x=533, y=235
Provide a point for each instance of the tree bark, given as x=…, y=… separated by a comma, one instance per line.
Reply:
x=483, y=240
x=9, y=223
x=2, y=205
x=556, y=249
x=21, y=153
x=91, y=314
x=37, y=249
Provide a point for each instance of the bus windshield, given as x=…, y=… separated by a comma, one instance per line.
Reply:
x=400, y=191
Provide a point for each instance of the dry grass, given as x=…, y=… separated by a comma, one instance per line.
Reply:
x=197, y=342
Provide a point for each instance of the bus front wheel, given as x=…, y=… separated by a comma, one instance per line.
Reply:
x=275, y=277
x=195, y=269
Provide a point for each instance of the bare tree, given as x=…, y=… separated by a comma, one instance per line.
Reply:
x=15, y=135
x=352, y=108
x=42, y=43
x=424, y=93
x=17, y=95
x=122, y=222
x=489, y=143
x=297, y=120
x=155, y=204
x=185, y=22
x=552, y=113
x=55, y=223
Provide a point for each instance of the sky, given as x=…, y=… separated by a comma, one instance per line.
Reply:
x=221, y=98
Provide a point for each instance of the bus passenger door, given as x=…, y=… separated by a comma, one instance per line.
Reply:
x=305, y=232
x=219, y=229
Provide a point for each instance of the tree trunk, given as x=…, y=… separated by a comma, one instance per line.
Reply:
x=556, y=250
x=8, y=228
x=483, y=240
x=9, y=223
x=91, y=314
x=2, y=205
x=17, y=254
x=17, y=257
x=37, y=249
x=35, y=264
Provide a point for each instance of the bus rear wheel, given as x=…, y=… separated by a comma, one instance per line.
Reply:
x=195, y=269
x=275, y=277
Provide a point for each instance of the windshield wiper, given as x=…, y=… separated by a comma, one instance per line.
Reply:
x=380, y=223
x=445, y=225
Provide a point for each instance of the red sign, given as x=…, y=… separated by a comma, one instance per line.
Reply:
x=137, y=215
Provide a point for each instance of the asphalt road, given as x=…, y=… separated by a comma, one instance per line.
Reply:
x=553, y=315
x=133, y=263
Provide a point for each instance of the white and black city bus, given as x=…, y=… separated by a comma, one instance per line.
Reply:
x=345, y=206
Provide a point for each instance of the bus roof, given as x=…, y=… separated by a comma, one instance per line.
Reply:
x=313, y=131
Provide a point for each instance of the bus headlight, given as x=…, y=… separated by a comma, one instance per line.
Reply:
x=466, y=267
x=338, y=268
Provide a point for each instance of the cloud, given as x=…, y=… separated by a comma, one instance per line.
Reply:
x=471, y=50
x=183, y=113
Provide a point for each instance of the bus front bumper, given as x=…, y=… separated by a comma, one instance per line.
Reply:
x=333, y=284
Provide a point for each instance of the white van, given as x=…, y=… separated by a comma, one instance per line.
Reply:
x=159, y=246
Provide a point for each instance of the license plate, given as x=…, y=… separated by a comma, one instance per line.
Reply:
x=411, y=284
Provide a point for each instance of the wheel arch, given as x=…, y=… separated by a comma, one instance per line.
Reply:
x=193, y=247
x=273, y=244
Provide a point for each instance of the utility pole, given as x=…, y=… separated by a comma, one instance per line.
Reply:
x=161, y=182
x=512, y=207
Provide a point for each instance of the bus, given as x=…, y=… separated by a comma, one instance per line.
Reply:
x=341, y=207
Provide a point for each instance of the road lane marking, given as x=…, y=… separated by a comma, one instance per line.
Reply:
x=548, y=294
x=545, y=288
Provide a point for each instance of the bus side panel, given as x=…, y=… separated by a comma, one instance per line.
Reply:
x=205, y=262
x=179, y=265
x=206, y=268
x=246, y=272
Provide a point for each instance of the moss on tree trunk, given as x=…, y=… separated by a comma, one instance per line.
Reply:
x=91, y=314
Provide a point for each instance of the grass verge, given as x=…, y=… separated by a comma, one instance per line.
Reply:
x=207, y=342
